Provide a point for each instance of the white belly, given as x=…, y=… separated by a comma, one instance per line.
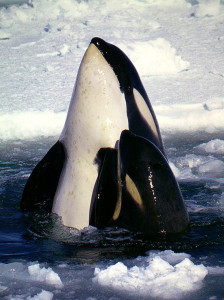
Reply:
x=96, y=117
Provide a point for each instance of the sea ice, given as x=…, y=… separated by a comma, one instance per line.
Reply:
x=44, y=295
x=44, y=274
x=207, y=8
x=160, y=58
x=159, y=278
x=191, y=117
x=30, y=124
x=214, y=167
x=213, y=146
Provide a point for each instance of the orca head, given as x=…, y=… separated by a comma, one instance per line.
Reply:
x=149, y=199
x=141, y=117
x=97, y=107
x=122, y=66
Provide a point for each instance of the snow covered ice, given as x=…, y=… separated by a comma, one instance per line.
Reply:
x=177, y=48
x=158, y=278
x=43, y=274
x=181, y=64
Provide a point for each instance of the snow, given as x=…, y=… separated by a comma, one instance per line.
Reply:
x=30, y=124
x=207, y=8
x=159, y=57
x=178, y=56
x=159, y=278
x=205, y=117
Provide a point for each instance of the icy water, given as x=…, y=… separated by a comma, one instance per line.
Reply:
x=26, y=240
x=177, y=48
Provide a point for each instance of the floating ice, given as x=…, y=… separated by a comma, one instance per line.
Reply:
x=213, y=146
x=193, y=166
x=31, y=275
x=192, y=161
x=214, y=167
x=155, y=57
x=44, y=274
x=191, y=117
x=30, y=124
x=168, y=255
x=158, y=279
x=44, y=295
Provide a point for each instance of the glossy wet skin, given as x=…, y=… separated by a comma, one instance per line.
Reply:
x=149, y=194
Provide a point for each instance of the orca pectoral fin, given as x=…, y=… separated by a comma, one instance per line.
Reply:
x=41, y=186
x=105, y=195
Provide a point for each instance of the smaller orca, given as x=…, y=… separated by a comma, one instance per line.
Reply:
x=141, y=193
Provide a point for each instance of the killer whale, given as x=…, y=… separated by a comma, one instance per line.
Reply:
x=84, y=166
x=137, y=189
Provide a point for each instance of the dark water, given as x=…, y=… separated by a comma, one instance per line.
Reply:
x=44, y=239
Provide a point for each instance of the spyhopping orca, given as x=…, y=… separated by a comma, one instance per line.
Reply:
x=109, y=166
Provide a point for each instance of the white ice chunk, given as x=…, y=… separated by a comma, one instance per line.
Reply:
x=170, y=256
x=192, y=161
x=44, y=274
x=44, y=295
x=30, y=124
x=190, y=117
x=158, y=279
x=213, y=146
x=64, y=50
x=155, y=57
x=192, y=166
x=214, y=167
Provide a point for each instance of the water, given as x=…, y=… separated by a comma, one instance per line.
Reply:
x=74, y=255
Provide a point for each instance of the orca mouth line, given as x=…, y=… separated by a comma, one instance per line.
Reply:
x=119, y=62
